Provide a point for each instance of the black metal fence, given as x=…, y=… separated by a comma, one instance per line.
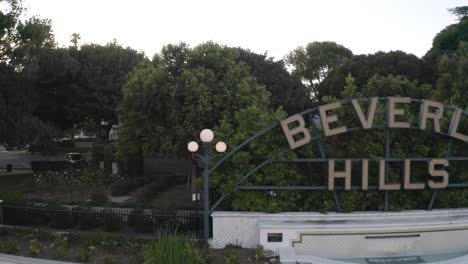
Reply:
x=147, y=222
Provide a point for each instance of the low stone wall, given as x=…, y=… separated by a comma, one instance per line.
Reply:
x=347, y=235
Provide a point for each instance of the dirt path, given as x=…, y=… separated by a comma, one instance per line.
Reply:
x=177, y=196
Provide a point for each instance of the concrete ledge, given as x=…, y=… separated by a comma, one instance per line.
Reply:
x=347, y=235
x=12, y=259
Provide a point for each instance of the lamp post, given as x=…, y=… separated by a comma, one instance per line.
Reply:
x=206, y=136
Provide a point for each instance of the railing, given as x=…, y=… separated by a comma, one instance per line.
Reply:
x=186, y=223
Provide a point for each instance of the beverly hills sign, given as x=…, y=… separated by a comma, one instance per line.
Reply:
x=298, y=134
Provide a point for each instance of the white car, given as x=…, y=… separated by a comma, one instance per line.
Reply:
x=75, y=158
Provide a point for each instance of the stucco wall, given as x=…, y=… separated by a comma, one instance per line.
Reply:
x=437, y=231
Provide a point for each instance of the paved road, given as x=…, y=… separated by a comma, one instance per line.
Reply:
x=22, y=159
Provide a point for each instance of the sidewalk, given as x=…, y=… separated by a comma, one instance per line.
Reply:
x=11, y=259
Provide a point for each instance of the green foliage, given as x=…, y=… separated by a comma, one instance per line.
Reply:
x=230, y=258
x=451, y=86
x=314, y=62
x=363, y=67
x=9, y=247
x=200, y=252
x=287, y=90
x=85, y=252
x=170, y=249
x=259, y=253
x=35, y=247
x=60, y=245
x=166, y=103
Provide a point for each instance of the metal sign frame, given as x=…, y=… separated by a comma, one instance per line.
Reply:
x=317, y=138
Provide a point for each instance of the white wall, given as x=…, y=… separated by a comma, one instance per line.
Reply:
x=343, y=235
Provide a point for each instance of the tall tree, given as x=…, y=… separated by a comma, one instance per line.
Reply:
x=314, y=62
x=78, y=84
x=168, y=102
x=20, y=43
x=460, y=11
x=452, y=84
x=364, y=67
x=75, y=38
x=286, y=89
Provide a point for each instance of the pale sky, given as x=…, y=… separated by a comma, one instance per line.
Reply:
x=276, y=27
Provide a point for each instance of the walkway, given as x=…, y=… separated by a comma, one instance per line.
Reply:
x=11, y=259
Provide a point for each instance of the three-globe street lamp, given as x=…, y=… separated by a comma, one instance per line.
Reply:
x=206, y=136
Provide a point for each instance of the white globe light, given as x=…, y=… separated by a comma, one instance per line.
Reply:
x=221, y=147
x=206, y=135
x=192, y=146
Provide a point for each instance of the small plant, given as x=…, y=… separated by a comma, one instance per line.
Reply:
x=230, y=258
x=109, y=245
x=9, y=247
x=35, y=247
x=60, y=245
x=259, y=253
x=200, y=254
x=168, y=249
x=85, y=252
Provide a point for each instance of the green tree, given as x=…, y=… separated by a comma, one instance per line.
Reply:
x=459, y=11
x=78, y=84
x=166, y=103
x=75, y=38
x=286, y=90
x=452, y=84
x=363, y=67
x=20, y=43
x=314, y=62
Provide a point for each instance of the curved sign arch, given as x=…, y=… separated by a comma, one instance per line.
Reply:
x=315, y=124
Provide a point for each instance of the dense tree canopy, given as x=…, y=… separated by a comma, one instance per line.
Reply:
x=314, y=62
x=169, y=101
x=75, y=84
x=20, y=43
x=363, y=67
x=286, y=90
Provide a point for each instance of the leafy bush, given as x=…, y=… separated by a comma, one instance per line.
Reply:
x=85, y=252
x=9, y=247
x=230, y=258
x=35, y=247
x=60, y=245
x=169, y=249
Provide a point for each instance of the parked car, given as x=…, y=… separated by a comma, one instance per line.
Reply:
x=75, y=158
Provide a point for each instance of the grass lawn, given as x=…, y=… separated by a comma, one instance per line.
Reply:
x=17, y=182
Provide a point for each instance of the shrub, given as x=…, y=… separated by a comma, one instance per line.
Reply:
x=60, y=245
x=35, y=247
x=9, y=247
x=230, y=258
x=169, y=249
x=85, y=252
x=201, y=253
